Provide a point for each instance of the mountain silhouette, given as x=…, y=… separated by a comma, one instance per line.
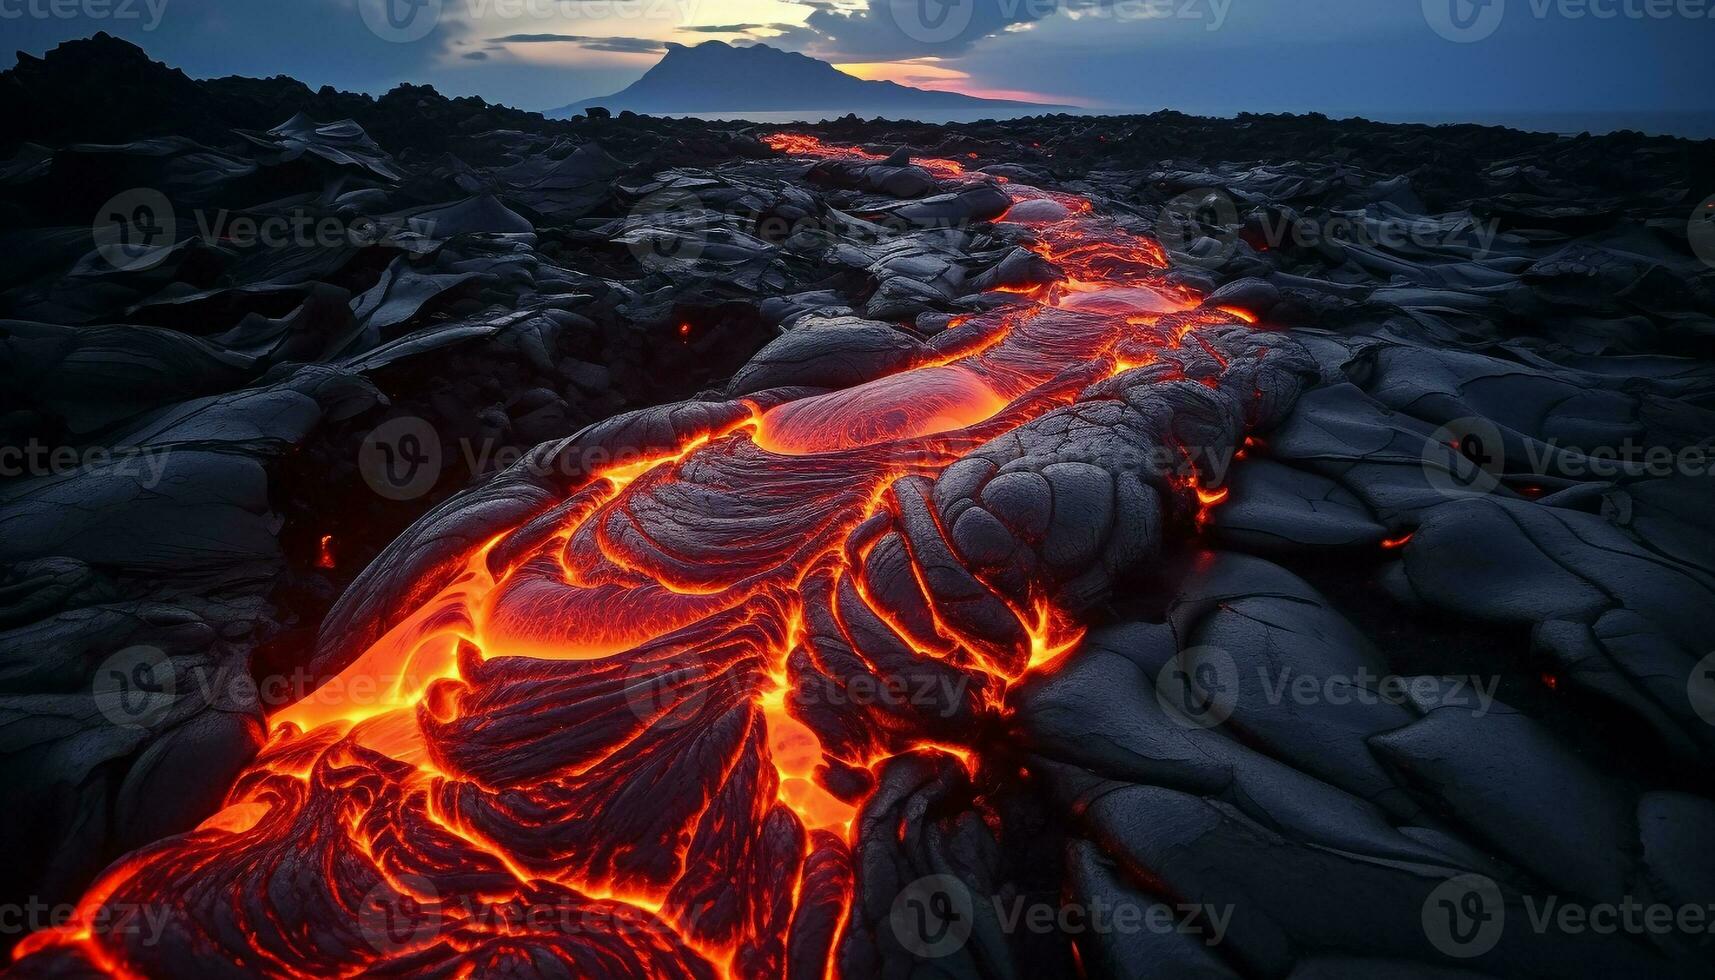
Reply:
x=717, y=77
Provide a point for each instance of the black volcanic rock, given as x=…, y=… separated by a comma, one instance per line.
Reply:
x=716, y=77
x=510, y=299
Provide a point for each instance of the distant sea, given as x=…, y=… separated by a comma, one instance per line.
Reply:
x=1692, y=125
x=946, y=116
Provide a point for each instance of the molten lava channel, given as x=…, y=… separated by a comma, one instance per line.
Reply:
x=609, y=714
x=909, y=405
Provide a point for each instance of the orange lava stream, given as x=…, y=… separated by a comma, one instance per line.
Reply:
x=382, y=779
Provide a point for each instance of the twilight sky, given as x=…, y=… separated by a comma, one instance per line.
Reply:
x=1389, y=58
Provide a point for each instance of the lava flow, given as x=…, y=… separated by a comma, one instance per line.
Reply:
x=634, y=735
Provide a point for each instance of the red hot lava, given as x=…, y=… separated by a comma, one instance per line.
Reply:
x=608, y=744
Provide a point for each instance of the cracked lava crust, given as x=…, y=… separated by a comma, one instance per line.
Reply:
x=638, y=732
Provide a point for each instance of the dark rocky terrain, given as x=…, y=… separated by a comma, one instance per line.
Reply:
x=1474, y=460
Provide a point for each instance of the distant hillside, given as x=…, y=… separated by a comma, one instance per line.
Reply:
x=716, y=77
x=102, y=89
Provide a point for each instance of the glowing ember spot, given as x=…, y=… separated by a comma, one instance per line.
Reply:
x=1398, y=542
x=1207, y=500
x=324, y=552
x=1210, y=498
x=1034, y=289
x=1050, y=639
x=1124, y=364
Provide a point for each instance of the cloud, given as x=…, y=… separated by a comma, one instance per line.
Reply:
x=619, y=44
x=743, y=33
x=475, y=56
x=725, y=28
x=626, y=45
x=893, y=30
x=886, y=30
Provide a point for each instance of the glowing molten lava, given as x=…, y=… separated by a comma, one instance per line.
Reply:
x=902, y=406
x=640, y=713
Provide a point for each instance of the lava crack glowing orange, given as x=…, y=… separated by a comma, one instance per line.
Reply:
x=625, y=736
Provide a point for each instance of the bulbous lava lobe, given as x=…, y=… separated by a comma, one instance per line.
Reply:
x=634, y=732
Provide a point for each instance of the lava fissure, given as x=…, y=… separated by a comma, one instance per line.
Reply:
x=640, y=732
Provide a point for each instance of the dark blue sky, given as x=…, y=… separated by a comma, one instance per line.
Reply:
x=1437, y=59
